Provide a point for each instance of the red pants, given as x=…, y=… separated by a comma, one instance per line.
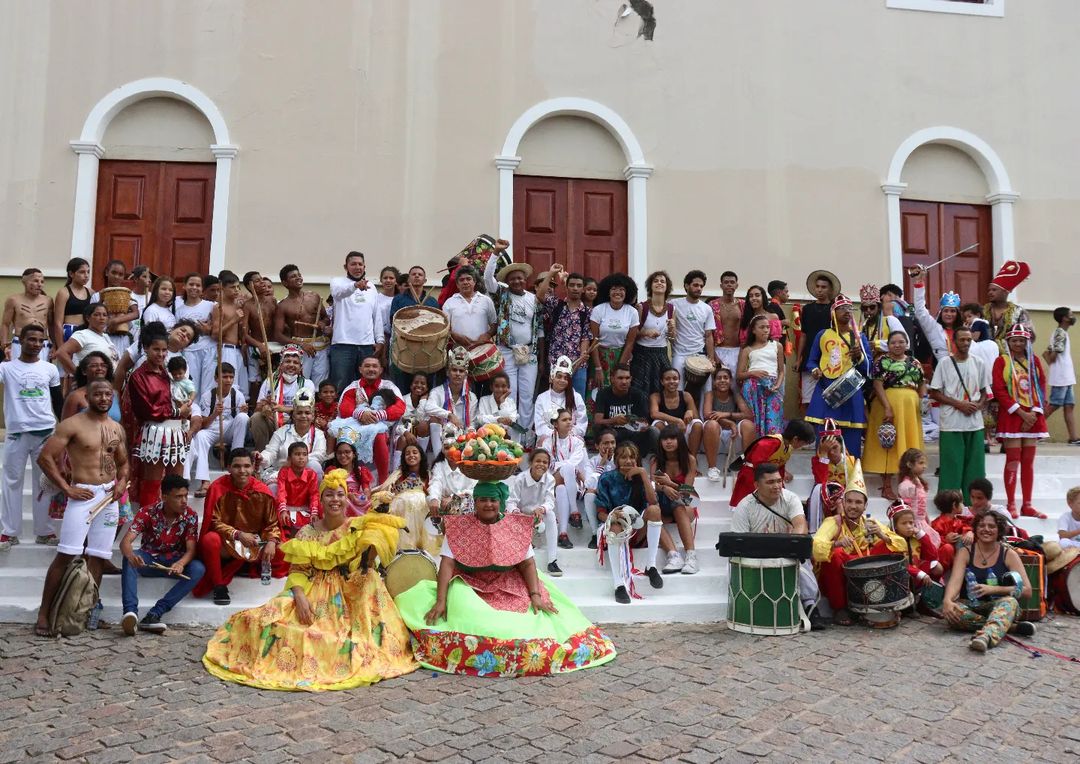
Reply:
x=220, y=572
x=830, y=577
x=946, y=553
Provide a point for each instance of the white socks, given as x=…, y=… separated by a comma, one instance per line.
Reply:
x=614, y=555
x=652, y=533
x=590, y=511
x=552, y=533
x=562, y=505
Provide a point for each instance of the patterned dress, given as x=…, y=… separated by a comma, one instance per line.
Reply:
x=901, y=380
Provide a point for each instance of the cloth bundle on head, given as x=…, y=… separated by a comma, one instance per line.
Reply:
x=869, y=294
x=1011, y=275
x=492, y=490
x=335, y=479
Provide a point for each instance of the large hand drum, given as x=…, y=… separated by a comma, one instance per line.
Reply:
x=409, y=568
x=763, y=596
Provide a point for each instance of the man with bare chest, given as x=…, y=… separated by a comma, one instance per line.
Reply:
x=297, y=322
x=33, y=306
x=99, y=474
x=727, y=311
x=228, y=325
x=261, y=307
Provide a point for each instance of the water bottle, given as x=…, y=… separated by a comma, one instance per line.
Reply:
x=265, y=573
x=991, y=579
x=969, y=576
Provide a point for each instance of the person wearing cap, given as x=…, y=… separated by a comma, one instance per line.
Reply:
x=1019, y=386
x=274, y=404
x=834, y=352
x=491, y=613
x=841, y=538
x=300, y=429
x=809, y=320
x=517, y=332
x=998, y=311
x=913, y=543
x=830, y=467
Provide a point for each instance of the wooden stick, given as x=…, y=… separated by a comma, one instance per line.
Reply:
x=100, y=506
x=266, y=343
x=220, y=385
x=159, y=566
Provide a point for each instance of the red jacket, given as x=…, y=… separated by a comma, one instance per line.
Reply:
x=298, y=490
x=150, y=394
x=347, y=405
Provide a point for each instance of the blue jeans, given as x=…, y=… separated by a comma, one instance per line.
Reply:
x=579, y=379
x=345, y=363
x=129, y=583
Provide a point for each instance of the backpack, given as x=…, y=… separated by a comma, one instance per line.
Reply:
x=75, y=598
x=213, y=400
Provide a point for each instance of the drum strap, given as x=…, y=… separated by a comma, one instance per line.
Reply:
x=759, y=501
x=967, y=395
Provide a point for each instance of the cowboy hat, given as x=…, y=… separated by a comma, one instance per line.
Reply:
x=821, y=273
x=506, y=270
x=1055, y=562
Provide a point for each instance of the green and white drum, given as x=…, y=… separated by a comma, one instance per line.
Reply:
x=763, y=596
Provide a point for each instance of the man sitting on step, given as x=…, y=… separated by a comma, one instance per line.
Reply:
x=170, y=533
x=239, y=529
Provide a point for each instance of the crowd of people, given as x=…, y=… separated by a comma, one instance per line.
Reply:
x=335, y=455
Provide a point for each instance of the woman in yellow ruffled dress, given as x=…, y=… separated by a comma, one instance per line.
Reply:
x=334, y=626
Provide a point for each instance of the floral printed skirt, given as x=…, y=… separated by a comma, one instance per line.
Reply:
x=479, y=640
x=766, y=406
x=357, y=639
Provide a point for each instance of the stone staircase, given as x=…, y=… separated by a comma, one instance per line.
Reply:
x=691, y=599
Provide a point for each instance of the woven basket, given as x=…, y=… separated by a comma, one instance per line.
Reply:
x=487, y=472
x=421, y=350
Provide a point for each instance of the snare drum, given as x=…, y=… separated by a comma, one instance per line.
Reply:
x=843, y=388
x=409, y=568
x=878, y=585
x=763, y=596
x=485, y=361
x=697, y=371
x=1065, y=588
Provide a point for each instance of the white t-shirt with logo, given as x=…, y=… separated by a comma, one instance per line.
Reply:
x=200, y=314
x=692, y=321
x=614, y=324
x=27, y=397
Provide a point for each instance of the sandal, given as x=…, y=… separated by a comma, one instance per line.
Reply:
x=200, y=493
x=842, y=618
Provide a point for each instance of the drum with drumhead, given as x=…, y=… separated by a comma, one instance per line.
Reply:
x=1065, y=588
x=418, y=340
x=241, y=552
x=843, y=388
x=408, y=568
x=485, y=361
x=117, y=301
x=763, y=596
x=879, y=587
x=697, y=371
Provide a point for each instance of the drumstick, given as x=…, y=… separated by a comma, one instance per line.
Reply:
x=100, y=506
x=159, y=566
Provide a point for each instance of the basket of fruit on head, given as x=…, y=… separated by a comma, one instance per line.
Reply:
x=485, y=453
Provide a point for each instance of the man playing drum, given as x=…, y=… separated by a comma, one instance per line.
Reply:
x=695, y=327
x=298, y=321
x=472, y=315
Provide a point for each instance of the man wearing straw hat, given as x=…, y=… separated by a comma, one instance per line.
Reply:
x=99, y=474
x=517, y=330
x=811, y=319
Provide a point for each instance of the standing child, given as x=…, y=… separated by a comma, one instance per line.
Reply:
x=913, y=490
x=1069, y=522
x=297, y=491
x=568, y=459
x=1060, y=375
x=533, y=492
x=952, y=524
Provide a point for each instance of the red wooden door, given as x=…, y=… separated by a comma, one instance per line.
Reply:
x=154, y=213
x=931, y=231
x=579, y=223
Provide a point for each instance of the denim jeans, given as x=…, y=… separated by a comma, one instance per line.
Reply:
x=129, y=582
x=345, y=363
x=579, y=379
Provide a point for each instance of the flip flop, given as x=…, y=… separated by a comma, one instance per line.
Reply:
x=843, y=618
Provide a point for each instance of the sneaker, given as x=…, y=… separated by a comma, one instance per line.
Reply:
x=592, y=542
x=978, y=644
x=691, y=567
x=50, y=540
x=1075, y=442
x=621, y=596
x=129, y=622
x=715, y=475
x=817, y=622
x=553, y=569
x=575, y=519
x=674, y=563
x=656, y=581
x=564, y=542
x=221, y=595
x=6, y=542
x=152, y=622
x=1024, y=628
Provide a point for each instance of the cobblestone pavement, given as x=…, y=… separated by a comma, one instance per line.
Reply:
x=676, y=692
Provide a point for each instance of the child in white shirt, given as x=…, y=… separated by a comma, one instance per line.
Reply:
x=1069, y=522
x=533, y=491
x=603, y=461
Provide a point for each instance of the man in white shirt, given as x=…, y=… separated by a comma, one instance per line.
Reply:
x=518, y=330
x=1060, y=374
x=695, y=324
x=358, y=329
x=232, y=408
x=959, y=388
x=31, y=398
x=472, y=315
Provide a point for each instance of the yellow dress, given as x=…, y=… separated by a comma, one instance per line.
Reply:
x=357, y=637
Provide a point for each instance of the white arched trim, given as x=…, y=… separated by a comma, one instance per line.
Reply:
x=636, y=172
x=1001, y=195
x=89, y=150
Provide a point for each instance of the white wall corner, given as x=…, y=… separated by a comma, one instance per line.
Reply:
x=224, y=151
x=894, y=189
x=1002, y=198
x=638, y=171
x=507, y=162
x=88, y=147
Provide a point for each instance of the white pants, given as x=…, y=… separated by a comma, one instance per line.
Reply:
x=97, y=535
x=18, y=447
x=201, y=366
x=729, y=359
x=231, y=354
x=566, y=495
x=199, y=453
x=551, y=532
x=522, y=383
x=317, y=367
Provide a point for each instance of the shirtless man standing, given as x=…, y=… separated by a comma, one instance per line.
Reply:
x=99, y=473
x=728, y=313
x=260, y=325
x=33, y=306
x=296, y=322
x=228, y=326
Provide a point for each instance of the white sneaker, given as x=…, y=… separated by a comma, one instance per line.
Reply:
x=715, y=475
x=674, y=563
x=129, y=622
x=691, y=566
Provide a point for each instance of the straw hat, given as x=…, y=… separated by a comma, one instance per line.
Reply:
x=1057, y=557
x=822, y=273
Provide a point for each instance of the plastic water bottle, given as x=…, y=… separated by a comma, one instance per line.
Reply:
x=265, y=573
x=991, y=579
x=969, y=576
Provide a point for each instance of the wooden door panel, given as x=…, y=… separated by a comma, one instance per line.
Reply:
x=124, y=247
x=188, y=256
x=600, y=235
x=931, y=231
x=187, y=192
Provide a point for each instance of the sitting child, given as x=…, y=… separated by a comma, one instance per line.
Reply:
x=1069, y=523
x=499, y=407
x=953, y=525
x=362, y=436
x=326, y=405
x=603, y=461
x=533, y=492
x=912, y=542
x=297, y=492
x=981, y=492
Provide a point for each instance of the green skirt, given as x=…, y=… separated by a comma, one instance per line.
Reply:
x=479, y=640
